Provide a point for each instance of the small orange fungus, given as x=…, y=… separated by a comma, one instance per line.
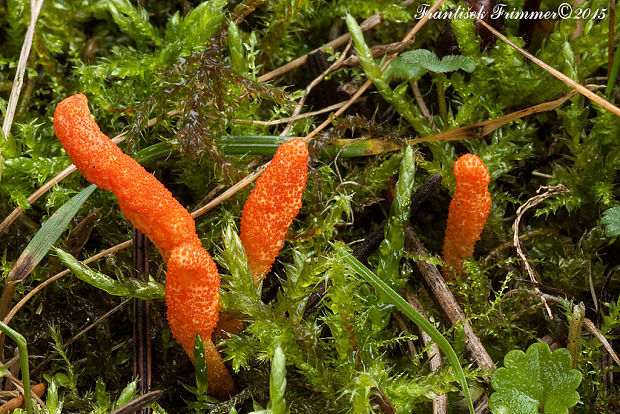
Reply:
x=469, y=210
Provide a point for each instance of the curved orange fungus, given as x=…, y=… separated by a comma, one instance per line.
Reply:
x=272, y=206
x=469, y=210
x=192, y=282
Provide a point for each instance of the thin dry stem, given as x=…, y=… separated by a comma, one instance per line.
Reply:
x=532, y=202
x=599, y=335
x=367, y=24
x=293, y=118
x=35, y=8
x=57, y=276
x=315, y=82
x=577, y=86
x=367, y=84
x=85, y=330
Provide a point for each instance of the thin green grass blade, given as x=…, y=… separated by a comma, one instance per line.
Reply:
x=47, y=236
x=22, y=346
x=402, y=305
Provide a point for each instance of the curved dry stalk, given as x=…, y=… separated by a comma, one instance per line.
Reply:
x=481, y=129
x=532, y=202
x=367, y=24
x=576, y=86
x=293, y=118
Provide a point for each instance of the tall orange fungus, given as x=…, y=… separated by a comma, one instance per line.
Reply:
x=192, y=281
x=272, y=206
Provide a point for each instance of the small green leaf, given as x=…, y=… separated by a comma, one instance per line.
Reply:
x=536, y=381
x=128, y=394
x=203, y=21
x=611, y=221
x=415, y=63
x=200, y=366
x=134, y=288
x=103, y=399
x=47, y=235
x=132, y=20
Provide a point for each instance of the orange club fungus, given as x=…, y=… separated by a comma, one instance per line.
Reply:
x=468, y=212
x=272, y=206
x=192, y=280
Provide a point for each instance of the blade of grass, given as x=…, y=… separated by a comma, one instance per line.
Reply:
x=613, y=74
x=47, y=236
x=577, y=86
x=22, y=346
x=38, y=248
x=403, y=306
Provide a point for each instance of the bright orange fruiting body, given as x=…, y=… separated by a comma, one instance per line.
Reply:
x=192, y=282
x=469, y=210
x=272, y=206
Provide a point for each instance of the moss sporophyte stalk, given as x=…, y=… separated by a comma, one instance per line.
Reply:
x=192, y=281
x=468, y=212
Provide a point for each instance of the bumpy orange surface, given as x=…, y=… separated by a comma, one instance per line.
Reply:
x=272, y=206
x=192, y=282
x=468, y=210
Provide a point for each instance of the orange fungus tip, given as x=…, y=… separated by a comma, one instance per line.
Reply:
x=468, y=211
x=192, y=286
x=272, y=206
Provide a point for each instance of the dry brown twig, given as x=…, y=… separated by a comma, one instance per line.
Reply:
x=440, y=403
x=315, y=82
x=532, y=202
x=40, y=388
x=576, y=86
x=447, y=302
x=367, y=84
x=481, y=129
x=367, y=24
x=35, y=8
x=57, y=276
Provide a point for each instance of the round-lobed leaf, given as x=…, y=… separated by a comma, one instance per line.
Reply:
x=537, y=380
